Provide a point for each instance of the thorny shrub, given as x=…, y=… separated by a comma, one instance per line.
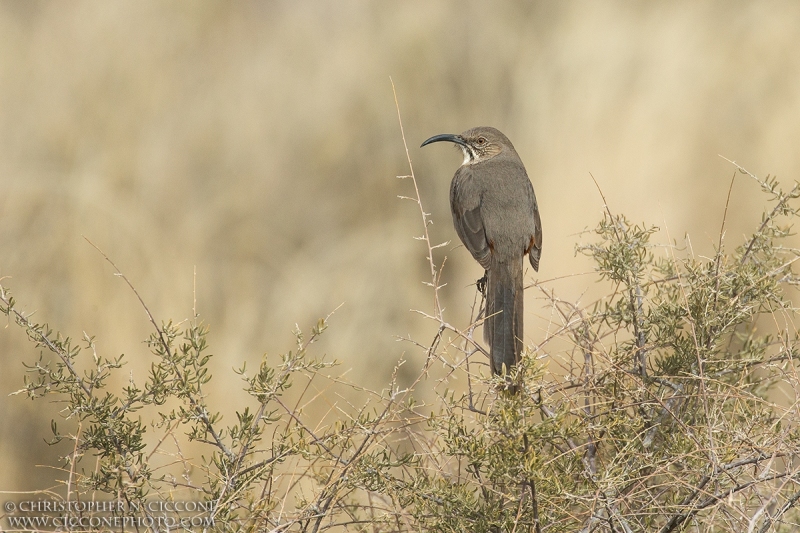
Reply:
x=668, y=420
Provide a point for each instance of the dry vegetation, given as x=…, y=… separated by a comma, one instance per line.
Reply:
x=664, y=424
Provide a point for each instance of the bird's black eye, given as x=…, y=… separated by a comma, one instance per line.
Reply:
x=481, y=141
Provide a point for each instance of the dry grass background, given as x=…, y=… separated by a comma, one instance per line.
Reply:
x=258, y=143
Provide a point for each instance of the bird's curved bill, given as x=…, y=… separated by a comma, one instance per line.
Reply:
x=449, y=137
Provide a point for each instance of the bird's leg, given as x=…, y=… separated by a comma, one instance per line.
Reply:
x=481, y=283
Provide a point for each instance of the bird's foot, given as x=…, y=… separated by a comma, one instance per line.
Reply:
x=481, y=283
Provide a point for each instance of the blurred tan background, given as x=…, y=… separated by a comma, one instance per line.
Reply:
x=258, y=143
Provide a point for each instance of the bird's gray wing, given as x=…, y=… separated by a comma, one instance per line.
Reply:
x=535, y=249
x=465, y=203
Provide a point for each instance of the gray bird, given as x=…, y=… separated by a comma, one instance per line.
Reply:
x=496, y=217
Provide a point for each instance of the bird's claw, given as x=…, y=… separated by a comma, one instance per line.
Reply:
x=481, y=283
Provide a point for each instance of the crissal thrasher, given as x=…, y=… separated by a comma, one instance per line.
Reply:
x=496, y=216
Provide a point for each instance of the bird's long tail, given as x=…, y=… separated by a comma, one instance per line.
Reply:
x=503, y=327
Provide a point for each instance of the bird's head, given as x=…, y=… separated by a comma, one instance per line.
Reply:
x=478, y=144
